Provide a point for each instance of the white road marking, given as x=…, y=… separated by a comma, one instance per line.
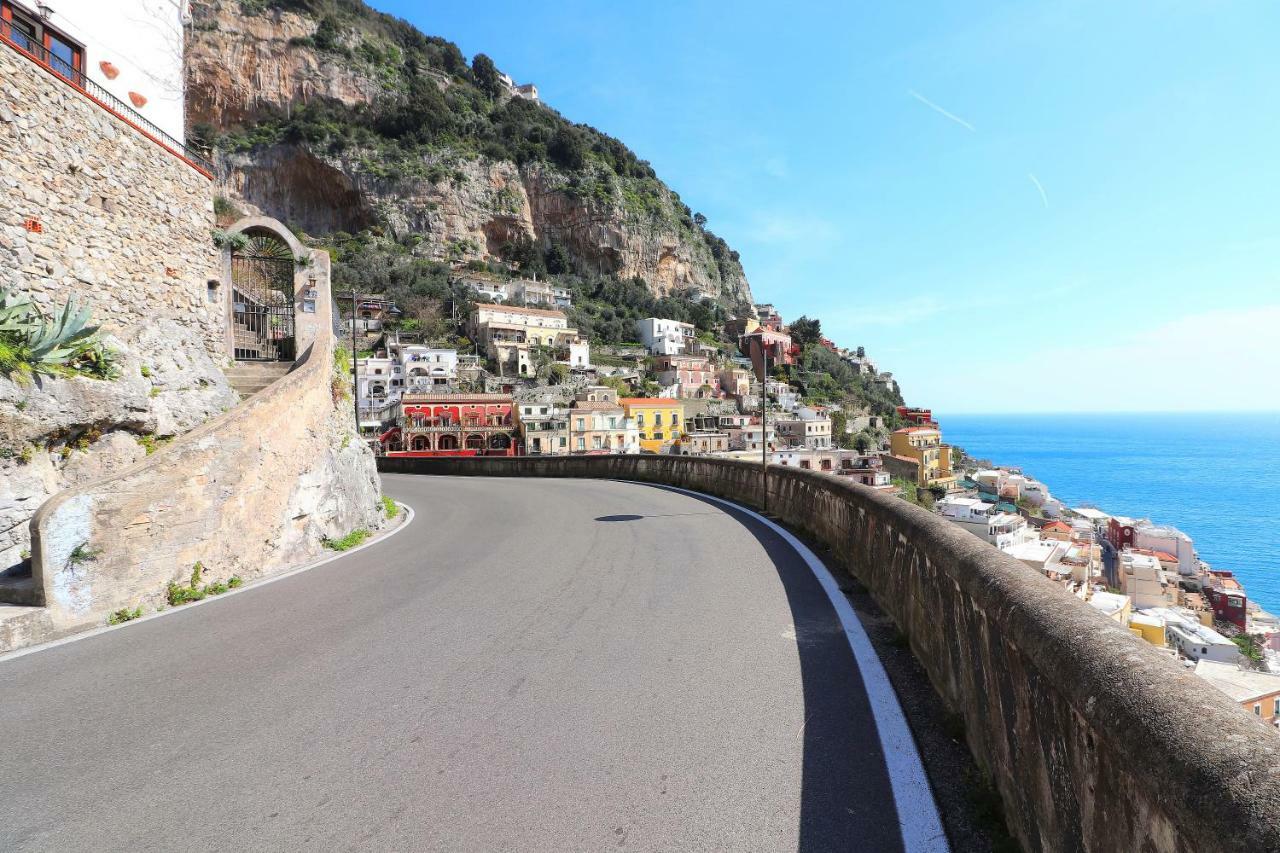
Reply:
x=918, y=818
x=231, y=593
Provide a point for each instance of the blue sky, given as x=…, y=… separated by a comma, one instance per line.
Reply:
x=880, y=166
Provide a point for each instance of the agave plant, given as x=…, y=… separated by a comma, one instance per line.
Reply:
x=33, y=344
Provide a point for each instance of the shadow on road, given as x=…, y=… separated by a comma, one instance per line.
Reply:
x=846, y=802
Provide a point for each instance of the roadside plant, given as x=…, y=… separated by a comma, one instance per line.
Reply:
x=346, y=543
x=124, y=614
x=389, y=507
x=177, y=594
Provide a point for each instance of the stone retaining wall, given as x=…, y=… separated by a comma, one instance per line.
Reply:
x=249, y=493
x=1095, y=740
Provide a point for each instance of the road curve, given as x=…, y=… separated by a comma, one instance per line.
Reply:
x=531, y=665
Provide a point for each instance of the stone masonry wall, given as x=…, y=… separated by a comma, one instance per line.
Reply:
x=1096, y=741
x=95, y=209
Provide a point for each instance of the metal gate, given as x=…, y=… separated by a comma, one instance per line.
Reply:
x=262, y=300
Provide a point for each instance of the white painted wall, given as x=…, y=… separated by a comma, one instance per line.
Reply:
x=144, y=40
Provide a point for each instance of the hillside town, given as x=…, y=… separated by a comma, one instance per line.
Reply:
x=530, y=386
x=1144, y=575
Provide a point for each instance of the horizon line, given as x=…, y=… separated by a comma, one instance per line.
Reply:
x=1115, y=412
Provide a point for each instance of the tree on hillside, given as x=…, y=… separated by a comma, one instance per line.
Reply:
x=700, y=220
x=805, y=331
x=486, y=75
x=567, y=148
x=558, y=260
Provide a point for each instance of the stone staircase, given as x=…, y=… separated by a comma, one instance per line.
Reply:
x=250, y=377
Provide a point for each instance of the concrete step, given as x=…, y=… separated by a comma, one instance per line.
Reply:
x=250, y=377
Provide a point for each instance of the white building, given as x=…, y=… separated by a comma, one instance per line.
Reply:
x=131, y=48
x=969, y=510
x=1043, y=555
x=426, y=367
x=579, y=354
x=494, y=291
x=1193, y=640
x=1171, y=540
x=665, y=337
x=1112, y=605
x=749, y=437
x=381, y=380
x=813, y=433
x=542, y=293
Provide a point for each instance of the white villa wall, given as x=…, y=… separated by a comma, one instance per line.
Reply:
x=143, y=40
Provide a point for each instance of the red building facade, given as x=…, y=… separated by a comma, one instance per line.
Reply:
x=1120, y=534
x=453, y=425
x=914, y=416
x=1228, y=599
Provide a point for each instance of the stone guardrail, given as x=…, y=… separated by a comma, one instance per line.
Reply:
x=1095, y=740
x=248, y=493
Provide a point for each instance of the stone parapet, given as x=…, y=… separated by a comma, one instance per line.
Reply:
x=1095, y=740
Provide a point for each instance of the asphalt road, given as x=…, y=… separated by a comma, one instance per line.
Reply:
x=531, y=665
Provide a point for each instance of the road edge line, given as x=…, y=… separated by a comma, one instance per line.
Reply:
x=183, y=608
x=919, y=821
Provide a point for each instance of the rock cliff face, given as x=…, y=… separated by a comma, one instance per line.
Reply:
x=239, y=65
x=242, y=68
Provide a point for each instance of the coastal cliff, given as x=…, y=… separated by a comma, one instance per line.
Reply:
x=338, y=119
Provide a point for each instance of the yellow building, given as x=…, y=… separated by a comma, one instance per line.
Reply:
x=659, y=419
x=924, y=445
x=1148, y=628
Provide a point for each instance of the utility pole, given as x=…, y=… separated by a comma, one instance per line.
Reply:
x=764, y=427
x=355, y=364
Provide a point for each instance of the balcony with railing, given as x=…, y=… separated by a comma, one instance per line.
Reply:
x=66, y=63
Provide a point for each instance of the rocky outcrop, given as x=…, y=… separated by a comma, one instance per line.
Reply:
x=245, y=67
x=65, y=432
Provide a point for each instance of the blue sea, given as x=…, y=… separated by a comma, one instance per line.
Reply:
x=1215, y=476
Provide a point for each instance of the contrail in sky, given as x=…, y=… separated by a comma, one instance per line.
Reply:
x=940, y=111
x=1043, y=197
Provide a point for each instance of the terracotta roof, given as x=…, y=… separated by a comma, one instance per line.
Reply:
x=1058, y=525
x=541, y=312
x=648, y=401
x=917, y=429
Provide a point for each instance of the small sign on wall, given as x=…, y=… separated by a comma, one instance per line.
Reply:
x=311, y=293
x=308, y=306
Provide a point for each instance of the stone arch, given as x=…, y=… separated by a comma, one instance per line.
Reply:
x=475, y=441
x=421, y=442
x=448, y=442
x=499, y=441
x=254, y=329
